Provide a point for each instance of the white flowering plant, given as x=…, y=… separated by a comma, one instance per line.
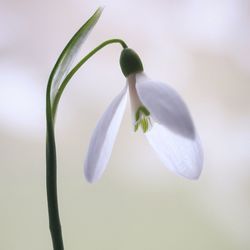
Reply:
x=156, y=108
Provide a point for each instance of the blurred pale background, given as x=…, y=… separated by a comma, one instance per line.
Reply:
x=202, y=48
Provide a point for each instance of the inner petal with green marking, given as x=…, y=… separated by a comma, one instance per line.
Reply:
x=142, y=119
x=140, y=114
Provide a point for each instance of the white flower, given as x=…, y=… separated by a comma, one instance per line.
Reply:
x=163, y=117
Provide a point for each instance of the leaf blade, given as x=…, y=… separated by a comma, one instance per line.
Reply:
x=69, y=53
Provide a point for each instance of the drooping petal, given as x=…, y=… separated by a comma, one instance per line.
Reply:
x=103, y=138
x=165, y=105
x=180, y=154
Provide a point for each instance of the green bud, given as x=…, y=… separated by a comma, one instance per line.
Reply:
x=130, y=62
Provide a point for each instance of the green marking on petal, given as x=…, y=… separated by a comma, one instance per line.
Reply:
x=142, y=119
x=137, y=115
x=145, y=111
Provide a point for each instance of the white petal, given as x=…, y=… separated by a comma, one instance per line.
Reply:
x=165, y=105
x=134, y=98
x=181, y=155
x=103, y=138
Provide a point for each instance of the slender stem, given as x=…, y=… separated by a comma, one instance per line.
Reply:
x=51, y=164
x=51, y=179
x=75, y=69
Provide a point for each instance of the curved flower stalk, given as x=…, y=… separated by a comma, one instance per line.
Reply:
x=58, y=80
x=162, y=116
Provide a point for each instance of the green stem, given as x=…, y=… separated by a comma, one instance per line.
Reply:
x=51, y=179
x=75, y=69
x=51, y=165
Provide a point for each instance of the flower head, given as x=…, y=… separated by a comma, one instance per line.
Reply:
x=161, y=114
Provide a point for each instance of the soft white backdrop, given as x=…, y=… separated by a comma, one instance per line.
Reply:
x=202, y=48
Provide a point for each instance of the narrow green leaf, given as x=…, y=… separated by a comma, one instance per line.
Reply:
x=65, y=60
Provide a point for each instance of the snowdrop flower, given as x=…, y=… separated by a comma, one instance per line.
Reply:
x=161, y=114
